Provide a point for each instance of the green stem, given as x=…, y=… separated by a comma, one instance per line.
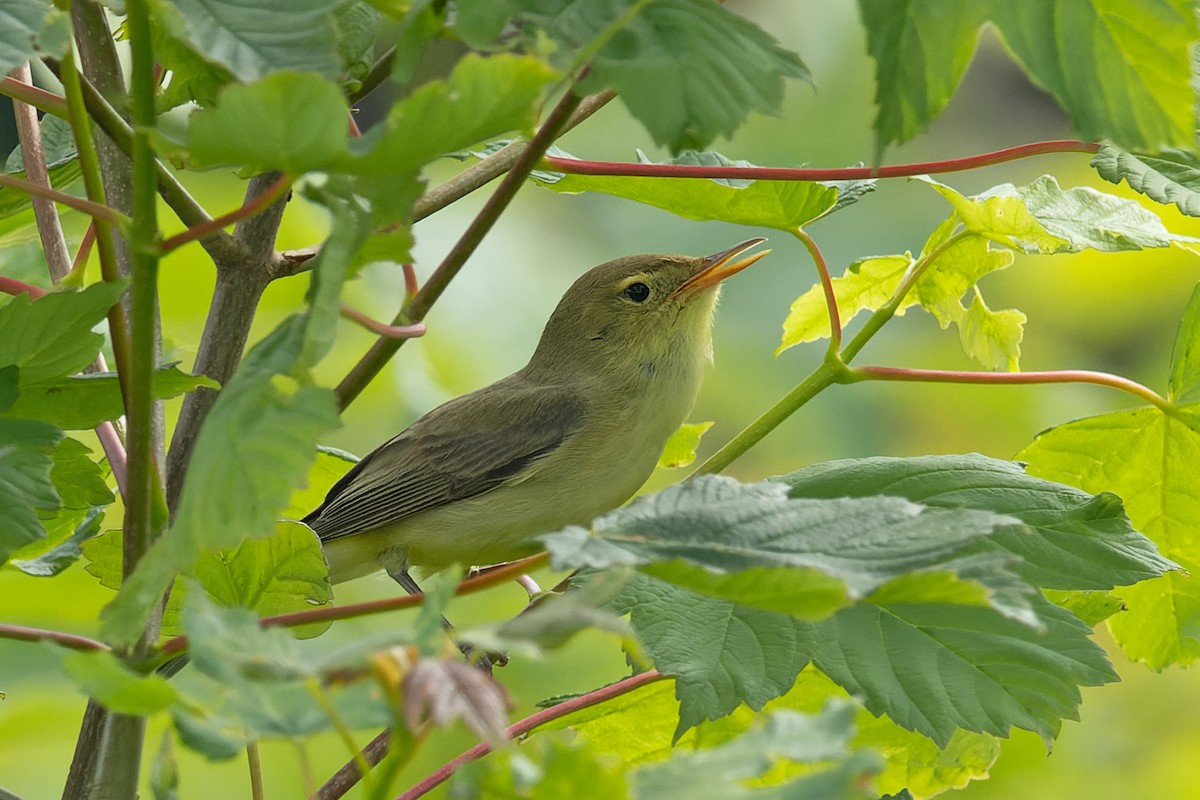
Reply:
x=142, y=478
x=343, y=730
x=254, y=762
x=832, y=369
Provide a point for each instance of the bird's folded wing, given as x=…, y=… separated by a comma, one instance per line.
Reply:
x=462, y=449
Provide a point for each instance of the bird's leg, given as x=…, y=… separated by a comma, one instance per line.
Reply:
x=482, y=660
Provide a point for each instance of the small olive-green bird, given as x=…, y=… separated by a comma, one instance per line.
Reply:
x=573, y=434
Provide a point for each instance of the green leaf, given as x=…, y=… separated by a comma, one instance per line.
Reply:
x=30, y=29
x=993, y=338
x=952, y=273
x=52, y=337
x=79, y=481
x=963, y=667
x=784, y=736
x=193, y=77
x=273, y=427
x=26, y=460
x=681, y=448
x=1183, y=386
x=753, y=544
x=1073, y=540
x=280, y=574
x=867, y=285
x=720, y=654
x=1152, y=460
x=58, y=145
x=228, y=644
x=101, y=675
x=357, y=26
x=688, y=70
x=60, y=551
x=786, y=205
x=164, y=773
x=1172, y=177
x=1131, y=83
x=330, y=465
x=921, y=50
x=481, y=99
x=84, y=401
x=253, y=38
x=274, y=141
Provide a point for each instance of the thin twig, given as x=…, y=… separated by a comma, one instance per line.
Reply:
x=69, y=640
x=97, y=210
x=54, y=243
x=15, y=287
x=248, y=209
x=380, y=328
x=530, y=723
x=835, y=320
x=621, y=169
x=26, y=92
x=471, y=585
x=872, y=373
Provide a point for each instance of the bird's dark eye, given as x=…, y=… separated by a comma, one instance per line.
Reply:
x=637, y=292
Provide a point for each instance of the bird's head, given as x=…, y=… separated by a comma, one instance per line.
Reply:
x=644, y=312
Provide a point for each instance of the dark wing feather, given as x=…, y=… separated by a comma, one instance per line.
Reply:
x=459, y=450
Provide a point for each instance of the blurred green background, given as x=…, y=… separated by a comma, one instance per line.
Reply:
x=1091, y=311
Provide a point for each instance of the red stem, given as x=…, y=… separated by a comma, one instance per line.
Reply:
x=581, y=167
x=380, y=328
x=1010, y=378
x=260, y=202
x=70, y=640
x=15, y=287
x=471, y=585
x=78, y=203
x=38, y=98
x=85, y=247
x=529, y=723
x=835, y=320
x=411, y=287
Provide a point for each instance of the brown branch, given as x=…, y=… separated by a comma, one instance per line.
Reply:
x=15, y=287
x=27, y=93
x=70, y=640
x=381, y=329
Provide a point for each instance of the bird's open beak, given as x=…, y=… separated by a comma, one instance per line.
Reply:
x=717, y=267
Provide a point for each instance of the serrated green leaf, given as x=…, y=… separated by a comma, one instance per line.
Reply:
x=721, y=654
x=1172, y=177
x=545, y=768
x=1074, y=540
x=357, y=26
x=221, y=136
x=1130, y=84
x=718, y=772
x=1091, y=607
x=58, y=145
x=688, y=70
x=84, y=401
x=253, y=38
x=9, y=391
x=963, y=666
x=26, y=460
x=680, y=449
x=481, y=99
x=101, y=675
x=956, y=269
x=228, y=644
x=993, y=338
x=921, y=50
x=330, y=465
x=164, y=773
x=786, y=205
x=867, y=285
x=60, y=551
x=30, y=29
x=1183, y=386
x=704, y=533
x=193, y=77
x=52, y=337
x=79, y=481
x=1151, y=459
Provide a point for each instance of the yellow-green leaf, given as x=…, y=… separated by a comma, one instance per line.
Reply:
x=681, y=447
